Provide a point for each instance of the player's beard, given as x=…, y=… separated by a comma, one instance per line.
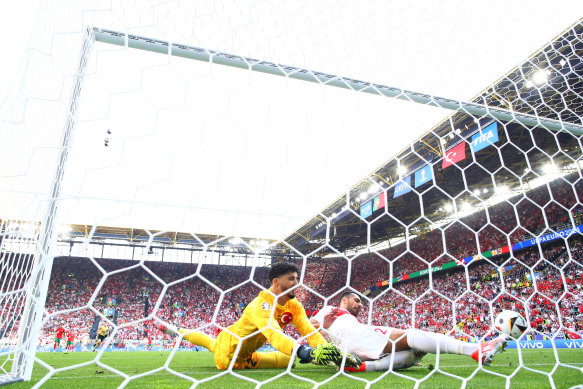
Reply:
x=291, y=294
x=354, y=311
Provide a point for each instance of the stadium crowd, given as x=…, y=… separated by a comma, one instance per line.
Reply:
x=543, y=283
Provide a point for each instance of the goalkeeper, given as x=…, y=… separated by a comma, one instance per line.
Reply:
x=256, y=320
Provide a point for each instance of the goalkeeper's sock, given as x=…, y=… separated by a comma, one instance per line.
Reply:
x=197, y=338
x=402, y=360
x=272, y=360
x=431, y=342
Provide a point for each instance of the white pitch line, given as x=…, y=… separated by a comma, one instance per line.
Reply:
x=294, y=371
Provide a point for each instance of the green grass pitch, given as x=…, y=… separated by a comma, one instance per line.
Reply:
x=199, y=365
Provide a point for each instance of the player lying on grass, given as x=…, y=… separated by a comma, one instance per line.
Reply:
x=375, y=344
x=256, y=320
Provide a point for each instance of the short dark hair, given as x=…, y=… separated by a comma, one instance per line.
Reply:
x=280, y=268
x=346, y=294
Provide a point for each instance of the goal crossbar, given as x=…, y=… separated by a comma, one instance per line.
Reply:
x=236, y=61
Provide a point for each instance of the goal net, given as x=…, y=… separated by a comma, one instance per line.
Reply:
x=157, y=159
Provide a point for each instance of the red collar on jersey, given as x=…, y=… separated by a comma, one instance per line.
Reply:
x=340, y=312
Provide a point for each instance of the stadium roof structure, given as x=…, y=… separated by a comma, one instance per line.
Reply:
x=559, y=98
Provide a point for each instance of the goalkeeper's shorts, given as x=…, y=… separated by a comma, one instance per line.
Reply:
x=224, y=348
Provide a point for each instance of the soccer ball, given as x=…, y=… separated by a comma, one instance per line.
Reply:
x=511, y=323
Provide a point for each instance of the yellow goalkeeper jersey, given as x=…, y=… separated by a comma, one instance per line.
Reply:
x=256, y=317
x=103, y=330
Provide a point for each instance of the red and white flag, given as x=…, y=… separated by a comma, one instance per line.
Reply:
x=454, y=155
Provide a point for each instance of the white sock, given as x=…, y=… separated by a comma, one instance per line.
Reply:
x=431, y=341
x=402, y=360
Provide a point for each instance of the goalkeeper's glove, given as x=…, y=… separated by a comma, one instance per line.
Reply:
x=326, y=354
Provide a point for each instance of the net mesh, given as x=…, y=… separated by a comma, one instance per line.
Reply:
x=129, y=196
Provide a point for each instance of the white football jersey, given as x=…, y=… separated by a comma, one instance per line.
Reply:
x=366, y=342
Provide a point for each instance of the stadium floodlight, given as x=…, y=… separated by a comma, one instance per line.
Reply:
x=550, y=169
x=540, y=77
x=64, y=229
x=235, y=241
x=261, y=244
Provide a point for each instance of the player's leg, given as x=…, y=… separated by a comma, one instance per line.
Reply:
x=396, y=361
x=223, y=348
x=195, y=337
x=225, y=345
x=198, y=338
x=370, y=344
x=271, y=360
x=431, y=342
x=428, y=342
x=257, y=360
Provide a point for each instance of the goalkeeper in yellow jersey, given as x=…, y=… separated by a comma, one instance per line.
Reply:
x=256, y=320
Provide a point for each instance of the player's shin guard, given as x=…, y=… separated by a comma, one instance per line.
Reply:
x=198, y=338
x=272, y=360
x=430, y=342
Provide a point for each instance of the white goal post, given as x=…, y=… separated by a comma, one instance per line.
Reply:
x=40, y=271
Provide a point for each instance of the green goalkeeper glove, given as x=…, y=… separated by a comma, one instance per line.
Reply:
x=326, y=354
